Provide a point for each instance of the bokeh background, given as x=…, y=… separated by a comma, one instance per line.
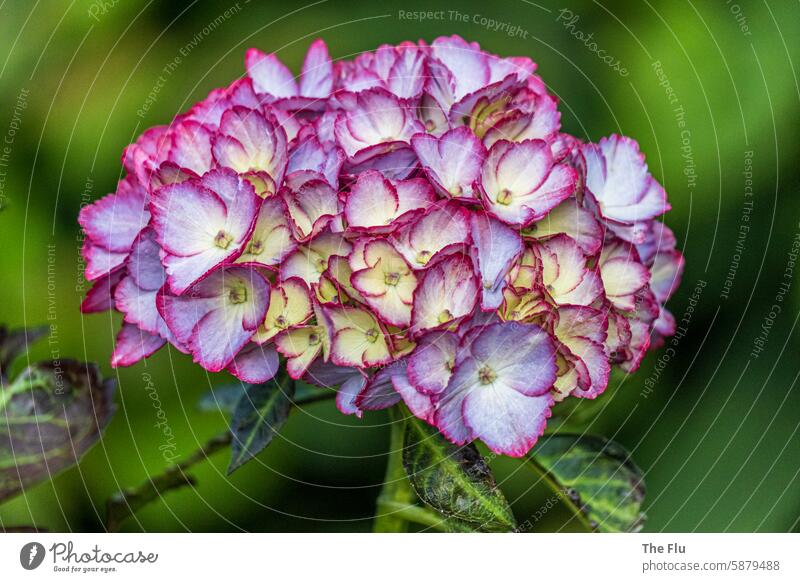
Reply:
x=709, y=86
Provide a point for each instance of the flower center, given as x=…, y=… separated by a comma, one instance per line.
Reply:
x=391, y=279
x=313, y=339
x=223, y=240
x=255, y=247
x=321, y=265
x=238, y=295
x=372, y=335
x=280, y=321
x=445, y=316
x=423, y=257
x=486, y=375
x=504, y=197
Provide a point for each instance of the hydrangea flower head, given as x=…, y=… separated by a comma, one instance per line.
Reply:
x=412, y=225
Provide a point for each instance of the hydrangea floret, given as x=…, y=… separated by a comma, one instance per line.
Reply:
x=411, y=225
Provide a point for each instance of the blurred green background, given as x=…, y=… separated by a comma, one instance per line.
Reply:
x=716, y=433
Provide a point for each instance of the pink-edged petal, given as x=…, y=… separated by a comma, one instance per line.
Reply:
x=272, y=239
x=317, y=77
x=507, y=421
x=217, y=316
x=666, y=272
x=114, y=221
x=269, y=74
x=191, y=146
x=520, y=184
x=249, y=141
x=594, y=358
x=495, y=249
x=372, y=201
x=134, y=344
x=447, y=292
x=255, y=364
x=100, y=262
x=540, y=119
x=395, y=160
x=139, y=307
x=374, y=117
x=357, y=339
x=452, y=162
x=521, y=356
x=144, y=264
x=201, y=225
x=310, y=154
x=623, y=277
x=310, y=260
x=467, y=63
x=187, y=218
x=347, y=394
x=379, y=392
x=431, y=363
x=407, y=75
x=440, y=228
x=312, y=206
x=101, y=296
x=421, y=405
x=573, y=220
x=618, y=178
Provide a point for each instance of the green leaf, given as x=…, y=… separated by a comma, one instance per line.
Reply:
x=456, y=481
x=595, y=477
x=224, y=398
x=259, y=415
x=15, y=343
x=50, y=415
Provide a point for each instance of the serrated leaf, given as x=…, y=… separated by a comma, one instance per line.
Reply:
x=50, y=415
x=259, y=415
x=598, y=477
x=455, y=481
x=15, y=343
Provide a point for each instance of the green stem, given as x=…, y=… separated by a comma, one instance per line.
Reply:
x=414, y=514
x=396, y=496
x=124, y=504
x=556, y=487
